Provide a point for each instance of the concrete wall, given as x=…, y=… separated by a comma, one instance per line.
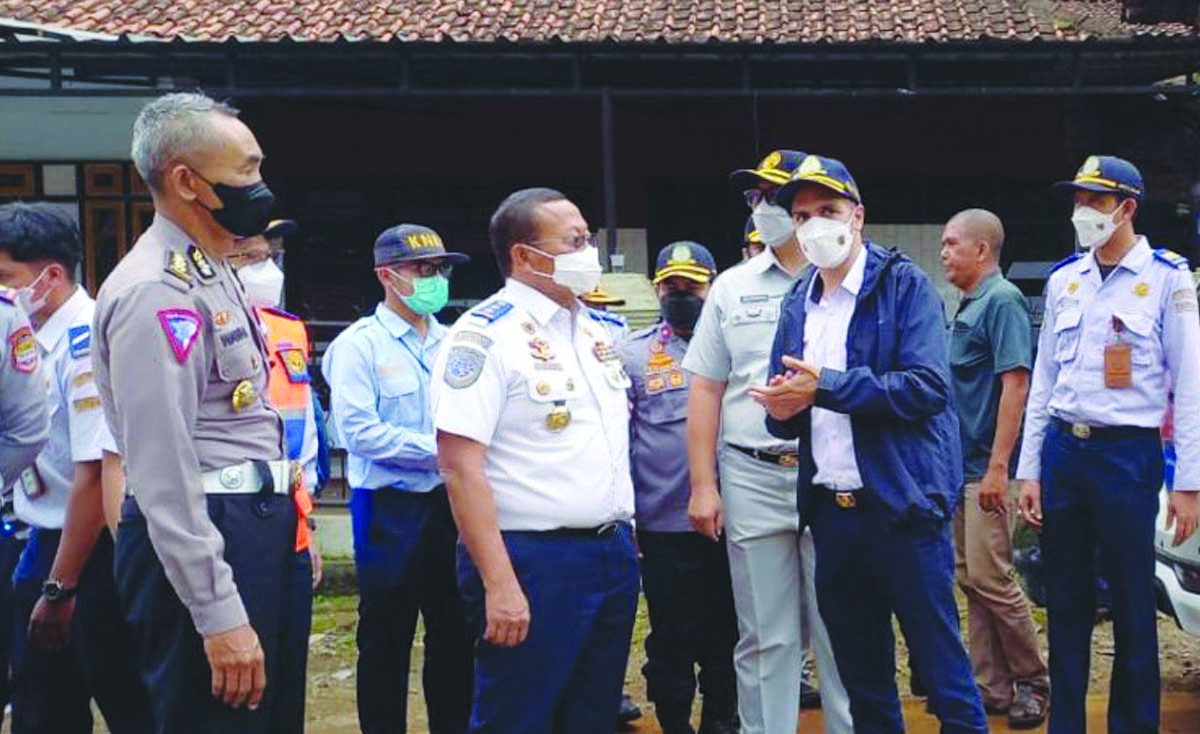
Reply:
x=66, y=129
x=922, y=243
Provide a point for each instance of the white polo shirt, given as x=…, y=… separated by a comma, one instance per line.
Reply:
x=543, y=388
x=78, y=431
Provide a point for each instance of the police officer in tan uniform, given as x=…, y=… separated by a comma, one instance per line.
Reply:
x=203, y=558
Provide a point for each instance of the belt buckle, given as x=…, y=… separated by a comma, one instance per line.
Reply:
x=845, y=500
x=789, y=460
x=1081, y=431
x=232, y=477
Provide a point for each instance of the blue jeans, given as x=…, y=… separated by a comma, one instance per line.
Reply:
x=566, y=677
x=404, y=554
x=869, y=569
x=1101, y=495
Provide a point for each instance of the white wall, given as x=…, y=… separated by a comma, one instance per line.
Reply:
x=68, y=129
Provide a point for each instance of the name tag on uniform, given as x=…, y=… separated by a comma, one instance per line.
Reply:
x=1118, y=360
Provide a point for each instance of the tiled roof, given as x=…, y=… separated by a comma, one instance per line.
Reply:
x=627, y=21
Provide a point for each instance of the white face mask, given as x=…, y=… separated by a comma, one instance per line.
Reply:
x=577, y=271
x=28, y=301
x=825, y=242
x=264, y=283
x=1092, y=227
x=773, y=222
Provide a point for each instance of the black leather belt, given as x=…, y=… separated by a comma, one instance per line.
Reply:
x=786, y=459
x=844, y=499
x=599, y=531
x=1084, y=432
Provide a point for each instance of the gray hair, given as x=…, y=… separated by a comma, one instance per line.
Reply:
x=170, y=128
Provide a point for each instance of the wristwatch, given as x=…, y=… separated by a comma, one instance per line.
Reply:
x=54, y=591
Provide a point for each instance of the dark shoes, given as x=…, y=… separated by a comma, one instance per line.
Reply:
x=1029, y=707
x=629, y=710
x=675, y=718
x=810, y=696
x=718, y=717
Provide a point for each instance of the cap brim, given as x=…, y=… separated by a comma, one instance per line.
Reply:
x=749, y=178
x=604, y=300
x=698, y=275
x=454, y=258
x=1096, y=187
x=281, y=228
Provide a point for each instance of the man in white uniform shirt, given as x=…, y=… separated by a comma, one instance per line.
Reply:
x=532, y=421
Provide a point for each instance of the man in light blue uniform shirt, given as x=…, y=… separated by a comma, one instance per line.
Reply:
x=404, y=536
x=1120, y=335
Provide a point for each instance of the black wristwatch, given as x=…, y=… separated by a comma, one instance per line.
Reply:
x=54, y=591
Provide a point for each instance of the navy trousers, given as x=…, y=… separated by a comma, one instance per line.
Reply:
x=566, y=677
x=10, y=552
x=692, y=620
x=404, y=553
x=868, y=569
x=49, y=690
x=107, y=648
x=260, y=535
x=1101, y=495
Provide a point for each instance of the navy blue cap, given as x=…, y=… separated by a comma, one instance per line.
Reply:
x=751, y=236
x=687, y=260
x=776, y=169
x=1108, y=175
x=281, y=228
x=828, y=172
x=412, y=242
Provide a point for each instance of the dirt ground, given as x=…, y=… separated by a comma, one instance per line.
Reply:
x=331, y=668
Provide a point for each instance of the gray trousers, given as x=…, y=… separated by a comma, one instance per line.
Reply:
x=772, y=568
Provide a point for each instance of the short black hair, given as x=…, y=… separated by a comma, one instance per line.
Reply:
x=515, y=221
x=33, y=232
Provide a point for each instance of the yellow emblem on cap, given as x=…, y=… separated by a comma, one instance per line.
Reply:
x=681, y=253
x=1141, y=290
x=1090, y=167
x=244, y=396
x=423, y=241
x=771, y=162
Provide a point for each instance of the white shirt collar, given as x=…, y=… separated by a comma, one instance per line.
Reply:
x=540, y=306
x=51, y=332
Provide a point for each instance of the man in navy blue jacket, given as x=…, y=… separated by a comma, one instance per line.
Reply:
x=861, y=380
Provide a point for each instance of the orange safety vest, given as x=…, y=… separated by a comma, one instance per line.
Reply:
x=289, y=393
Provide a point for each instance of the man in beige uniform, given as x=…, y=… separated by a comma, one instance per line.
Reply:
x=203, y=557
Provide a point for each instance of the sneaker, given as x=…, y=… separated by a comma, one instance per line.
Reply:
x=1029, y=707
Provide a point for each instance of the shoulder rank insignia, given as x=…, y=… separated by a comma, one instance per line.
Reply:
x=492, y=310
x=1174, y=259
x=177, y=265
x=606, y=317
x=464, y=364
x=295, y=365
x=1066, y=261
x=200, y=260
x=79, y=339
x=182, y=328
x=23, y=351
x=7, y=295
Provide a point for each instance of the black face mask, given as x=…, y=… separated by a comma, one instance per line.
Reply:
x=681, y=309
x=245, y=210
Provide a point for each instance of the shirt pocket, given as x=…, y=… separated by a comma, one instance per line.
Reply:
x=237, y=354
x=669, y=406
x=965, y=350
x=396, y=383
x=553, y=393
x=1140, y=333
x=1066, y=335
x=753, y=325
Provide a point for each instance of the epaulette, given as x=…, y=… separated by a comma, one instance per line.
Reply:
x=1174, y=259
x=609, y=316
x=79, y=341
x=1065, y=261
x=7, y=295
x=491, y=311
x=177, y=267
x=280, y=312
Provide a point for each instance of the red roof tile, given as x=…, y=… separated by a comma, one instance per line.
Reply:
x=674, y=21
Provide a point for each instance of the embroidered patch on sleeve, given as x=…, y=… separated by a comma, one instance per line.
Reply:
x=182, y=328
x=84, y=404
x=80, y=340
x=463, y=366
x=295, y=365
x=23, y=350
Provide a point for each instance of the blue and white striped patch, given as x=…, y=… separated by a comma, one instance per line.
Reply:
x=80, y=340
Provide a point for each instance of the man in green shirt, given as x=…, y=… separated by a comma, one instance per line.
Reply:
x=990, y=357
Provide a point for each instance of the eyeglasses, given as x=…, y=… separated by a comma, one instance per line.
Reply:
x=425, y=269
x=756, y=196
x=575, y=242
